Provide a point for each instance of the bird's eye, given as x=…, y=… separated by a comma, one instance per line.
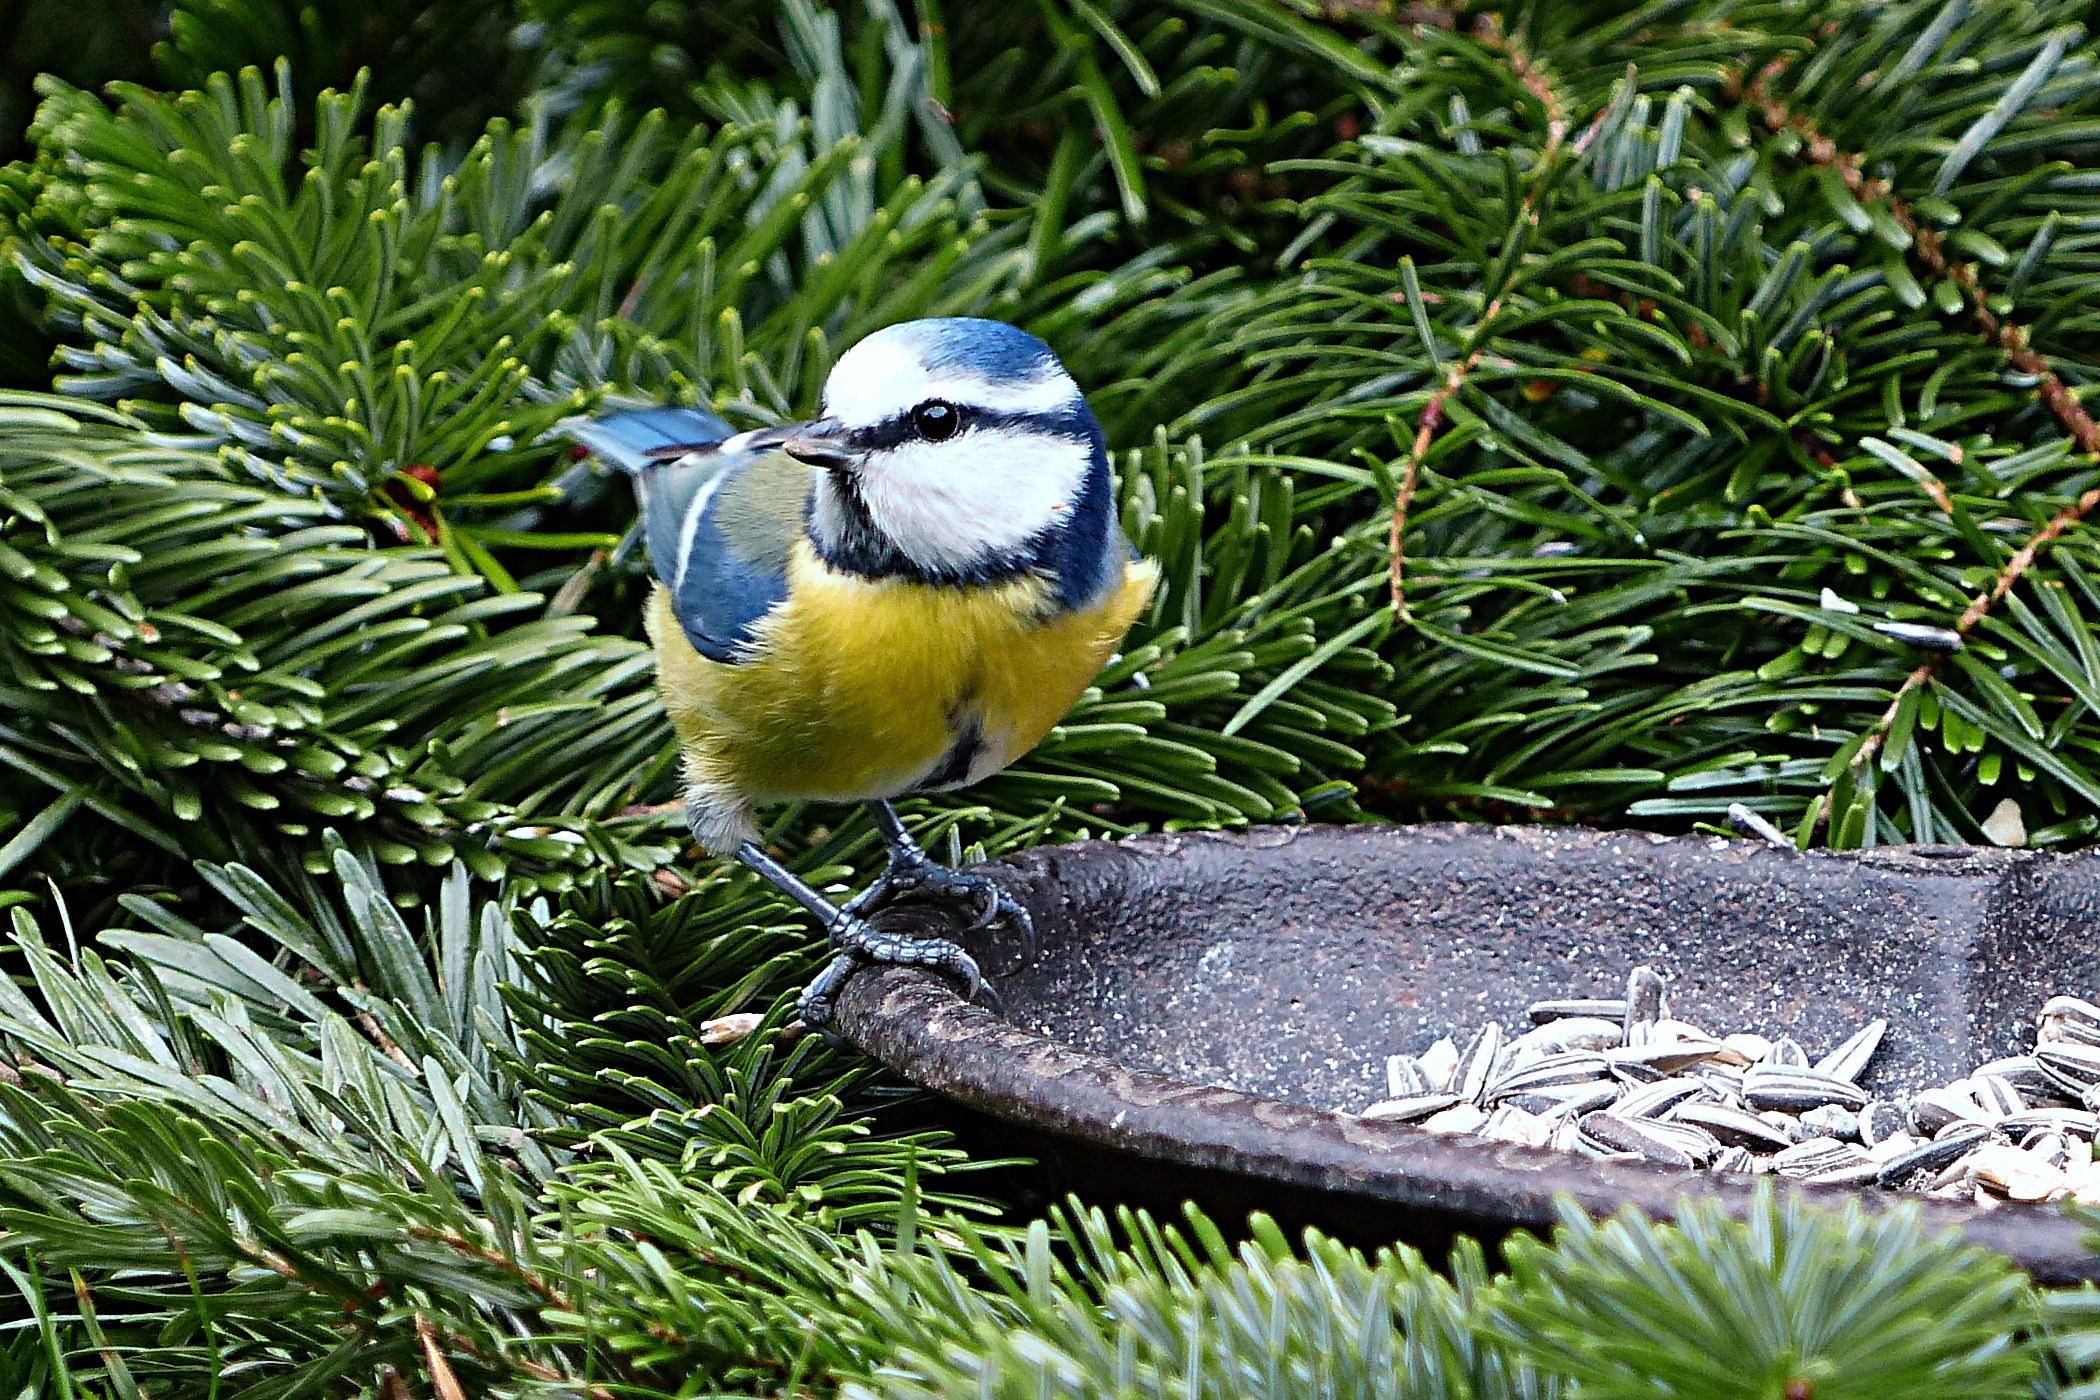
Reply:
x=936, y=421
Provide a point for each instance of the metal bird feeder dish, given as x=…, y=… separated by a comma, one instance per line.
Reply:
x=1206, y=1013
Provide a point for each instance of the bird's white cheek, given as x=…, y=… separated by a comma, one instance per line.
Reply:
x=950, y=505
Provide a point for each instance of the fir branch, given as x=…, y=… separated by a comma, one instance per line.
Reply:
x=1553, y=106
x=1928, y=248
x=491, y=1088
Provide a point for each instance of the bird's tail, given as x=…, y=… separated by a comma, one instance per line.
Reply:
x=632, y=438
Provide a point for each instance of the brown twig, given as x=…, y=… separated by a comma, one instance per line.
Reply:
x=1521, y=63
x=1426, y=425
x=2010, y=339
x=442, y=1377
x=387, y=1046
x=1431, y=419
x=497, y=1259
x=432, y=1337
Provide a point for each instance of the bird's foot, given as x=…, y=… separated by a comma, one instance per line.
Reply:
x=859, y=941
x=916, y=875
x=861, y=933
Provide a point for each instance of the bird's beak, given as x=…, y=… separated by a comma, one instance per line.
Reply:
x=821, y=442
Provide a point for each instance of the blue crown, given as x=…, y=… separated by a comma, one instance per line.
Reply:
x=992, y=349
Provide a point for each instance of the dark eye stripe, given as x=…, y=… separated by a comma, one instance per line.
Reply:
x=1073, y=423
x=898, y=429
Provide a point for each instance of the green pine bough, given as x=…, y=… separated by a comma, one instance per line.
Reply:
x=1554, y=412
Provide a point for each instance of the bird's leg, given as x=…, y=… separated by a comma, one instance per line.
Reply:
x=857, y=942
x=912, y=871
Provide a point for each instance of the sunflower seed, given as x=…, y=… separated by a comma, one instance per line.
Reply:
x=1410, y=1109
x=2067, y=1011
x=1732, y=1126
x=1572, y=1033
x=1694, y=1141
x=2071, y=1065
x=2077, y=1008
x=2061, y=1030
x=1934, y=1155
x=1784, y=1123
x=1806, y=1159
x=2020, y=1071
x=1512, y=1124
x=1728, y=1057
x=1475, y=1067
x=1733, y=1159
x=1753, y=1048
x=1892, y=1147
x=1751, y=823
x=1798, y=1090
x=1404, y=1077
x=1664, y=1057
x=1438, y=1062
x=2051, y=1147
x=1512, y=1057
x=1995, y=1096
x=2078, y=1122
x=1459, y=1118
x=1918, y=635
x=1606, y=1133
x=1605, y=1008
x=1725, y=1080
x=1861, y=1173
x=1933, y=1109
x=1850, y=1059
x=1787, y=1054
x=1575, y=1102
x=1564, y=1071
x=1655, y=1100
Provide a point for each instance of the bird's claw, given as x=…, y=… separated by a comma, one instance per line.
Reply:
x=1003, y=908
x=931, y=881
x=860, y=939
x=855, y=935
x=818, y=1003
x=859, y=942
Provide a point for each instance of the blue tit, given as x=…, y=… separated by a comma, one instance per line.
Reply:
x=902, y=595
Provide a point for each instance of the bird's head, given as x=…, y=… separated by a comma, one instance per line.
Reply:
x=953, y=450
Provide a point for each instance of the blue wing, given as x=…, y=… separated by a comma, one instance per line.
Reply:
x=720, y=525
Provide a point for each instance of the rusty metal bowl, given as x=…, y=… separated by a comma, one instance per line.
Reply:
x=1200, y=1006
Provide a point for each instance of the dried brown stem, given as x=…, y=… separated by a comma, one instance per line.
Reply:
x=1533, y=78
x=446, y=1380
x=1432, y=417
x=387, y=1046
x=1427, y=424
x=442, y=1377
x=497, y=1259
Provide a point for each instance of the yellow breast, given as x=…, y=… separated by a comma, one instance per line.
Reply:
x=868, y=688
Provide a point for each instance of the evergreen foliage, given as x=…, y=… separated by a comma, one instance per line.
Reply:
x=1836, y=1304
x=1541, y=412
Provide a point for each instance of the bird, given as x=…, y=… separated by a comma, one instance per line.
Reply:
x=901, y=595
